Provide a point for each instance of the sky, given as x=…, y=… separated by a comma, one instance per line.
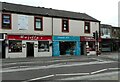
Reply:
x=104, y=10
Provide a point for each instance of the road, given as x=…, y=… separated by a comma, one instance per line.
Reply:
x=60, y=69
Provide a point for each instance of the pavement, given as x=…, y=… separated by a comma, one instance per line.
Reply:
x=115, y=56
x=111, y=55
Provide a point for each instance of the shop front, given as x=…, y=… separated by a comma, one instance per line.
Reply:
x=28, y=46
x=106, y=45
x=115, y=45
x=88, y=45
x=66, y=45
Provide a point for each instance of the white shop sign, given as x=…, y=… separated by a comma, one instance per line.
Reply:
x=22, y=22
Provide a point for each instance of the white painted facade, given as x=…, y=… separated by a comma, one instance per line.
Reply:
x=23, y=54
x=47, y=31
x=76, y=28
x=47, y=26
x=51, y=27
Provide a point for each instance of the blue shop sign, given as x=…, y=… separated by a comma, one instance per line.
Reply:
x=66, y=38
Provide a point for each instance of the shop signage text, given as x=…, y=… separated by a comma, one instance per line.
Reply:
x=66, y=38
x=28, y=37
x=86, y=38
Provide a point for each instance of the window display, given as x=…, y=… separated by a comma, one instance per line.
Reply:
x=6, y=21
x=15, y=46
x=91, y=46
x=43, y=46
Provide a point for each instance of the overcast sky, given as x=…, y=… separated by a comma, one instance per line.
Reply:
x=104, y=10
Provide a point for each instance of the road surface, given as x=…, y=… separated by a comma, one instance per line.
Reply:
x=60, y=69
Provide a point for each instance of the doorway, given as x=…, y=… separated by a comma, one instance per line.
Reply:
x=67, y=48
x=3, y=48
x=30, y=49
x=83, y=48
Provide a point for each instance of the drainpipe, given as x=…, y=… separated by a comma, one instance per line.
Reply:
x=52, y=37
x=52, y=26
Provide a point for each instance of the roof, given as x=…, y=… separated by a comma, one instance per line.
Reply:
x=108, y=26
x=105, y=26
x=18, y=8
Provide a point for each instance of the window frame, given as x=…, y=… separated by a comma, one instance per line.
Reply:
x=41, y=18
x=10, y=25
x=15, y=42
x=63, y=25
x=87, y=31
x=44, y=43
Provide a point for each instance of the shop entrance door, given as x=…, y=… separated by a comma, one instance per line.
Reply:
x=67, y=48
x=82, y=48
x=30, y=49
x=2, y=44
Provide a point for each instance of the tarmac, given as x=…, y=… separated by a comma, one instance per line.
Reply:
x=115, y=56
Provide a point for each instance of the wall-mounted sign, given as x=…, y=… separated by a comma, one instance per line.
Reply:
x=28, y=37
x=22, y=22
x=66, y=38
x=88, y=38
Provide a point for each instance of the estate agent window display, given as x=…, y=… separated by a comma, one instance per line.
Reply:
x=43, y=46
x=6, y=21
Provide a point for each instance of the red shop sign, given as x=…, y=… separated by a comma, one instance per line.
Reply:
x=28, y=37
x=86, y=38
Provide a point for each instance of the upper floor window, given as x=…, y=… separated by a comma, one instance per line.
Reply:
x=87, y=27
x=6, y=21
x=38, y=23
x=105, y=31
x=65, y=25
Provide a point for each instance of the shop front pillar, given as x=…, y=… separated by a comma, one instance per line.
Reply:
x=77, y=49
x=56, y=51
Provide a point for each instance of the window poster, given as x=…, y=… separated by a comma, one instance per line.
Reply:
x=22, y=22
x=6, y=21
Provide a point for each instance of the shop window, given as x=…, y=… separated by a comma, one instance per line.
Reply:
x=15, y=46
x=91, y=46
x=65, y=25
x=87, y=27
x=38, y=23
x=6, y=21
x=43, y=46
